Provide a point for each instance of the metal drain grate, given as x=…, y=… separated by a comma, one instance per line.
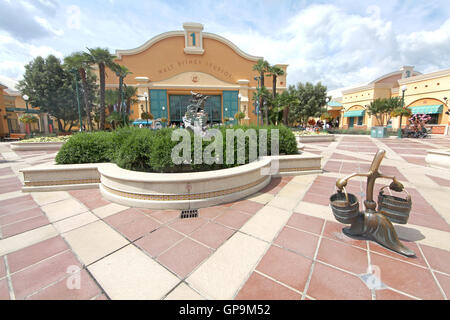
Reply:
x=192, y=213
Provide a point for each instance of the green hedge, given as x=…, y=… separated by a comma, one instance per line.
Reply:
x=141, y=149
x=86, y=148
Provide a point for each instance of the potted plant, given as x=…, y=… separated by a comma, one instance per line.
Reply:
x=239, y=116
x=27, y=119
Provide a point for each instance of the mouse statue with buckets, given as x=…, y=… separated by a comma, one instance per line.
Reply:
x=374, y=223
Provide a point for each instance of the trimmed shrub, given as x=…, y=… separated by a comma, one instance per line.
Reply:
x=147, y=150
x=86, y=147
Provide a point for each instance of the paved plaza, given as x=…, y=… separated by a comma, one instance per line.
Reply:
x=281, y=243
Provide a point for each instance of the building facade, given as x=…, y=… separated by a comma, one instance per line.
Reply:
x=12, y=106
x=169, y=66
x=423, y=93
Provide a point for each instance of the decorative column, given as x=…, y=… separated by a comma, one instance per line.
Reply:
x=45, y=117
x=143, y=86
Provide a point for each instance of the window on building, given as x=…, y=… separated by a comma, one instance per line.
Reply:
x=360, y=121
x=434, y=119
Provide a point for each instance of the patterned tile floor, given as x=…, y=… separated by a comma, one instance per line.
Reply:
x=281, y=243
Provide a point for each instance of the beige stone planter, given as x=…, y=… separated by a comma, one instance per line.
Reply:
x=315, y=138
x=438, y=158
x=169, y=190
x=36, y=146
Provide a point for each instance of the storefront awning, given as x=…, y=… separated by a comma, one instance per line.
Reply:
x=334, y=104
x=354, y=113
x=431, y=109
x=140, y=121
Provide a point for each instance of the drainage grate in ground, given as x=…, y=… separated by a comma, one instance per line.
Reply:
x=192, y=213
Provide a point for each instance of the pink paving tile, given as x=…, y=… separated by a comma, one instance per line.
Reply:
x=158, y=241
x=213, y=212
x=84, y=194
x=22, y=226
x=438, y=259
x=343, y=256
x=259, y=287
x=16, y=200
x=232, y=218
x=247, y=206
x=28, y=256
x=184, y=257
x=322, y=199
x=138, y=227
x=66, y=289
x=23, y=215
x=405, y=277
x=297, y=241
x=328, y=283
x=4, y=291
x=124, y=217
x=333, y=230
x=165, y=216
x=6, y=171
x=285, y=266
x=418, y=259
x=2, y=267
x=305, y=222
x=440, y=181
x=17, y=207
x=273, y=187
x=415, y=160
x=387, y=294
x=187, y=226
x=212, y=234
x=95, y=203
x=30, y=280
x=444, y=281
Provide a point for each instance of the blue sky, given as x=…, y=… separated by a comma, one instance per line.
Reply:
x=340, y=43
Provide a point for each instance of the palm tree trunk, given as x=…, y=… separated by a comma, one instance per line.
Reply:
x=101, y=67
x=274, y=85
x=87, y=106
x=266, y=114
x=285, y=115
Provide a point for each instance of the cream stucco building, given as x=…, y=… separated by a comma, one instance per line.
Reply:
x=423, y=93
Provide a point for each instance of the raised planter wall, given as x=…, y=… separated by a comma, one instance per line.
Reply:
x=438, y=158
x=169, y=191
x=32, y=146
x=315, y=138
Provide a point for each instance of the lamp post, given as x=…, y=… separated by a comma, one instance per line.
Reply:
x=399, y=133
x=146, y=96
x=75, y=72
x=25, y=97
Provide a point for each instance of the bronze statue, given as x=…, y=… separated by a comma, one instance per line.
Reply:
x=373, y=224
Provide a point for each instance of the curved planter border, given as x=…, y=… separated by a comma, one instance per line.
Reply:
x=438, y=158
x=31, y=146
x=316, y=138
x=169, y=190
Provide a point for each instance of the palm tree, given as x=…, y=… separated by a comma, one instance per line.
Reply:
x=262, y=66
x=276, y=71
x=79, y=61
x=121, y=72
x=103, y=58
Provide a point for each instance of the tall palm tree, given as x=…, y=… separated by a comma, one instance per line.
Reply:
x=103, y=58
x=262, y=66
x=79, y=61
x=276, y=71
x=121, y=72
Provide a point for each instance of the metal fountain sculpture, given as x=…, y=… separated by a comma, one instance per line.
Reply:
x=373, y=224
x=196, y=118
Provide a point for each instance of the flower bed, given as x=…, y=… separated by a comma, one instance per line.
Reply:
x=40, y=144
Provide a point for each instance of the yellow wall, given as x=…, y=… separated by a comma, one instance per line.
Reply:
x=3, y=122
x=421, y=90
